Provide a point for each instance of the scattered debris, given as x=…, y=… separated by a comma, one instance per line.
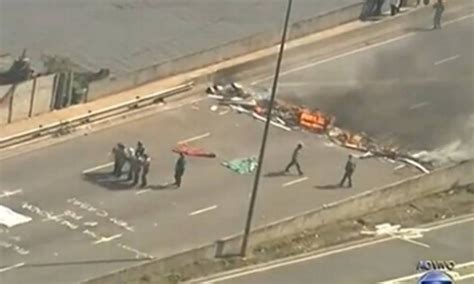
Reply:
x=242, y=166
x=193, y=151
x=292, y=117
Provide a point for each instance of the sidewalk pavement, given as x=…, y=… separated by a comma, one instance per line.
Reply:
x=21, y=126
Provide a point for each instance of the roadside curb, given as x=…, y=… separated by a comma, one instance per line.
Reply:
x=326, y=251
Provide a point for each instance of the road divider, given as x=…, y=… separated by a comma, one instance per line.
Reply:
x=67, y=126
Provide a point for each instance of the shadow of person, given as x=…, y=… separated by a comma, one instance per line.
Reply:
x=108, y=180
x=275, y=174
x=328, y=186
x=162, y=186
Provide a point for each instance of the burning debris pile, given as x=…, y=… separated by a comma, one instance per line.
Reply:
x=292, y=117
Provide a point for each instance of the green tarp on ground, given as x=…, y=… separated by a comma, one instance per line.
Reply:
x=242, y=166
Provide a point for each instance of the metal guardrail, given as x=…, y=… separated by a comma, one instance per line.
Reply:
x=64, y=127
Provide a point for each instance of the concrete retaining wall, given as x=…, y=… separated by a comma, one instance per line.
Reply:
x=5, y=96
x=22, y=100
x=43, y=94
x=30, y=98
x=220, y=53
x=353, y=207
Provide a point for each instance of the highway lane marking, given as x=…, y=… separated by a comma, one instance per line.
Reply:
x=97, y=168
x=294, y=181
x=142, y=191
x=447, y=59
x=358, y=50
x=7, y=193
x=107, y=239
x=194, y=138
x=419, y=105
x=203, y=210
x=316, y=255
x=12, y=267
x=345, y=54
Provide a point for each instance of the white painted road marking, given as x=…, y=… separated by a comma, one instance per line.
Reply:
x=419, y=105
x=10, y=218
x=316, y=255
x=358, y=50
x=195, y=138
x=7, y=193
x=12, y=267
x=203, y=210
x=142, y=191
x=447, y=59
x=294, y=181
x=107, y=239
x=97, y=168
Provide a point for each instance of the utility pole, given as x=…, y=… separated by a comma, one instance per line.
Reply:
x=253, y=198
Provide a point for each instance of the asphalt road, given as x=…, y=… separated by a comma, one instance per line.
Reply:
x=92, y=33
x=83, y=228
x=415, y=92
x=385, y=262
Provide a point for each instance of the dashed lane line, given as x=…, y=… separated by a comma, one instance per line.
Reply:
x=294, y=181
x=200, y=211
x=97, y=168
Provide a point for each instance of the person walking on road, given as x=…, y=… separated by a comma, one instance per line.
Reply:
x=145, y=163
x=294, y=160
x=439, y=9
x=348, y=171
x=119, y=159
x=179, y=170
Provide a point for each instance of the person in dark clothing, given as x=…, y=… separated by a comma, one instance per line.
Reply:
x=140, y=151
x=439, y=9
x=294, y=160
x=119, y=159
x=145, y=162
x=348, y=171
x=179, y=170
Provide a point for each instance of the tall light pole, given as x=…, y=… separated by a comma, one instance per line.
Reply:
x=253, y=197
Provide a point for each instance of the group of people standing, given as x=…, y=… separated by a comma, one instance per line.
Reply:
x=138, y=162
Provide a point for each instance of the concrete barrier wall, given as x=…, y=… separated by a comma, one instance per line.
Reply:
x=5, y=94
x=353, y=207
x=160, y=266
x=22, y=100
x=43, y=94
x=30, y=98
x=220, y=53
